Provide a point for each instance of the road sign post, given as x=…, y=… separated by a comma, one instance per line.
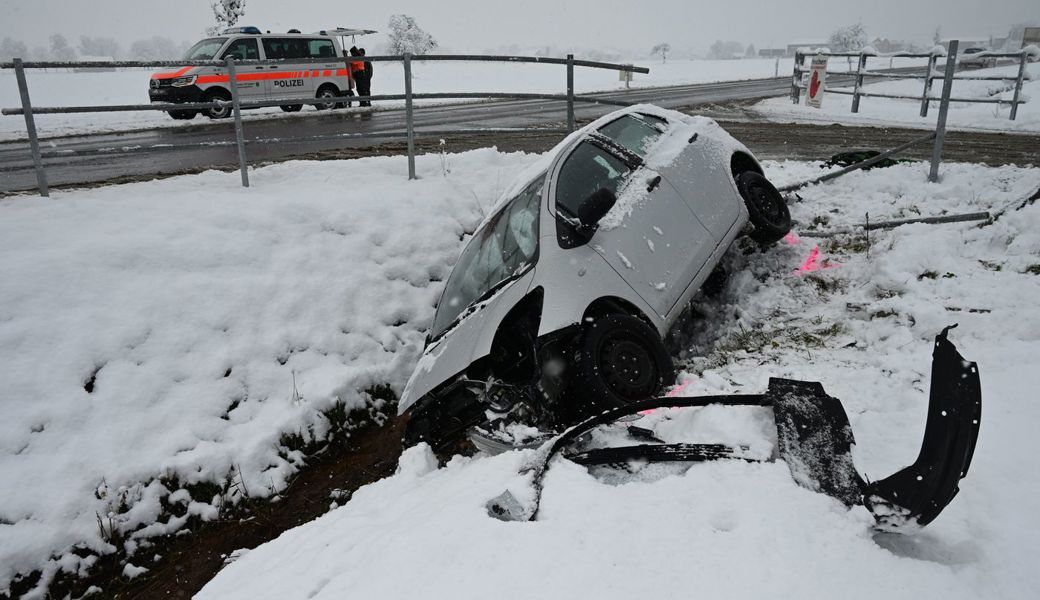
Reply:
x=817, y=82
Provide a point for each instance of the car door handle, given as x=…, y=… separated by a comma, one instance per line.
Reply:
x=656, y=181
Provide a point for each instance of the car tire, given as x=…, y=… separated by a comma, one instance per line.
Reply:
x=183, y=115
x=326, y=91
x=218, y=113
x=620, y=360
x=291, y=107
x=767, y=210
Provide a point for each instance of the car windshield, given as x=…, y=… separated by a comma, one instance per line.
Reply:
x=205, y=50
x=498, y=252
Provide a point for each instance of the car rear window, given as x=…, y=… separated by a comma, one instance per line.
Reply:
x=633, y=132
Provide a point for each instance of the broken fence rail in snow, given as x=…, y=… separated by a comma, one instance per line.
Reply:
x=28, y=112
x=929, y=76
x=874, y=225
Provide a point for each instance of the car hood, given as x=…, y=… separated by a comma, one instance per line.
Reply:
x=463, y=343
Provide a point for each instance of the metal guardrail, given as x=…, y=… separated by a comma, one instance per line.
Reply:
x=28, y=111
x=928, y=76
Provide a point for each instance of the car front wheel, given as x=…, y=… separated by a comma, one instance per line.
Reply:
x=620, y=360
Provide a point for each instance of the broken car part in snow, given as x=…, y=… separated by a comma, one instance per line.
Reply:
x=871, y=226
x=814, y=438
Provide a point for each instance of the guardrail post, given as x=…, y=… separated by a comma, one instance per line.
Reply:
x=859, y=81
x=1018, y=85
x=928, y=77
x=242, y=165
x=408, y=116
x=30, y=128
x=944, y=108
x=796, y=78
x=570, y=92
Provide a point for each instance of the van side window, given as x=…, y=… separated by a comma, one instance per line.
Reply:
x=321, y=49
x=285, y=48
x=243, y=49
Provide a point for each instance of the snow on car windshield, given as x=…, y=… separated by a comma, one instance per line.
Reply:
x=205, y=50
x=499, y=250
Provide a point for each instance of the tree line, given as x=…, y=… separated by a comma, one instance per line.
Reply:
x=104, y=48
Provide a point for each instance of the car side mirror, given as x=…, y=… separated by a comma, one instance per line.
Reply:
x=594, y=208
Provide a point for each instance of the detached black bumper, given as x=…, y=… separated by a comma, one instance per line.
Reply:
x=178, y=95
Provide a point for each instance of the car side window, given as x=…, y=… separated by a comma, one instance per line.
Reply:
x=588, y=169
x=243, y=49
x=321, y=49
x=632, y=132
x=285, y=48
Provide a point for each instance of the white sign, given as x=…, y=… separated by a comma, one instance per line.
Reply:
x=817, y=80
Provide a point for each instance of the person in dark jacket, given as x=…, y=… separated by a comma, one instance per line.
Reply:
x=364, y=78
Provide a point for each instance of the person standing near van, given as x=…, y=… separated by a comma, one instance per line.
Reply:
x=364, y=79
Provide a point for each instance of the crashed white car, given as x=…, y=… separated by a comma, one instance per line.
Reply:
x=559, y=302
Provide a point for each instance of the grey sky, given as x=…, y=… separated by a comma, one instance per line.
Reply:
x=474, y=25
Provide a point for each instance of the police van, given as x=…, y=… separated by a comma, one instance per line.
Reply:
x=289, y=81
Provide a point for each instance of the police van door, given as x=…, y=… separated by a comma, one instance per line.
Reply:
x=333, y=71
x=289, y=80
x=249, y=77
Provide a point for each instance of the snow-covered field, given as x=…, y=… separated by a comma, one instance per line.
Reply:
x=63, y=88
x=906, y=113
x=734, y=529
x=190, y=308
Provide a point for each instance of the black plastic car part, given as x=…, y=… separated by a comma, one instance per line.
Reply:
x=815, y=439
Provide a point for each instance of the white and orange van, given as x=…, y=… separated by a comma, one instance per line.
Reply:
x=294, y=82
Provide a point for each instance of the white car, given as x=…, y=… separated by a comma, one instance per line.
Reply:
x=558, y=304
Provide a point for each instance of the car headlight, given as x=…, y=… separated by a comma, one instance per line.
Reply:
x=183, y=81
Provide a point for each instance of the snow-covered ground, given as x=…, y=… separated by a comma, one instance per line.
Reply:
x=207, y=320
x=863, y=327
x=63, y=88
x=192, y=305
x=906, y=113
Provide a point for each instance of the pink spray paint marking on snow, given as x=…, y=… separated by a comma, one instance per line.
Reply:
x=672, y=393
x=813, y=262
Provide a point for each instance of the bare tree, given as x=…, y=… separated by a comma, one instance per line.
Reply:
x=406, y=36
x=848, y=39
x=156, y=48
x=227, y=13
x=98, y=47
x=60, y=49
x=750, y=52
x=721, y=49
x=12, y=49
x=663, y=50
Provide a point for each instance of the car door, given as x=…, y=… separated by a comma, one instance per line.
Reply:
x=249, y=77
x=701, y=174
x=288, y=80
x=650, y=237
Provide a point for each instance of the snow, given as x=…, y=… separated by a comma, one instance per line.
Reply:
x=64, y=88
x=211, y=319
x=906, y=113
x=733, y=529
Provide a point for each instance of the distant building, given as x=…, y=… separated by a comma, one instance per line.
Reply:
x=793, y=47
x=772, y=52
x=967, y=41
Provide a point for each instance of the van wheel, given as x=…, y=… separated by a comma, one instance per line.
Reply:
x=291, y=107
x=183, y=115
x=327, y=91
x=221, y=112
x=767, y=210
x=621, y=360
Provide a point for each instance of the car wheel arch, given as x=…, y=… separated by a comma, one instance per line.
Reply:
x=614, y=305
x=742, y=162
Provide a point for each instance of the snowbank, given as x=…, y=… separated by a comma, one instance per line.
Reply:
x=734, y=529
x=177, y=328
x=889, y=111
x=61, y=88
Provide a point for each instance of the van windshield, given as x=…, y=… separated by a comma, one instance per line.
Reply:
x=205, y=50
x=499, y=252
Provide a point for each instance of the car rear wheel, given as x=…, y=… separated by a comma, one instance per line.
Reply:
x=291, y=107
x=183, y=115
x=220, y=112
x=621, y=359
x=767, y=210
x=328, y=92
